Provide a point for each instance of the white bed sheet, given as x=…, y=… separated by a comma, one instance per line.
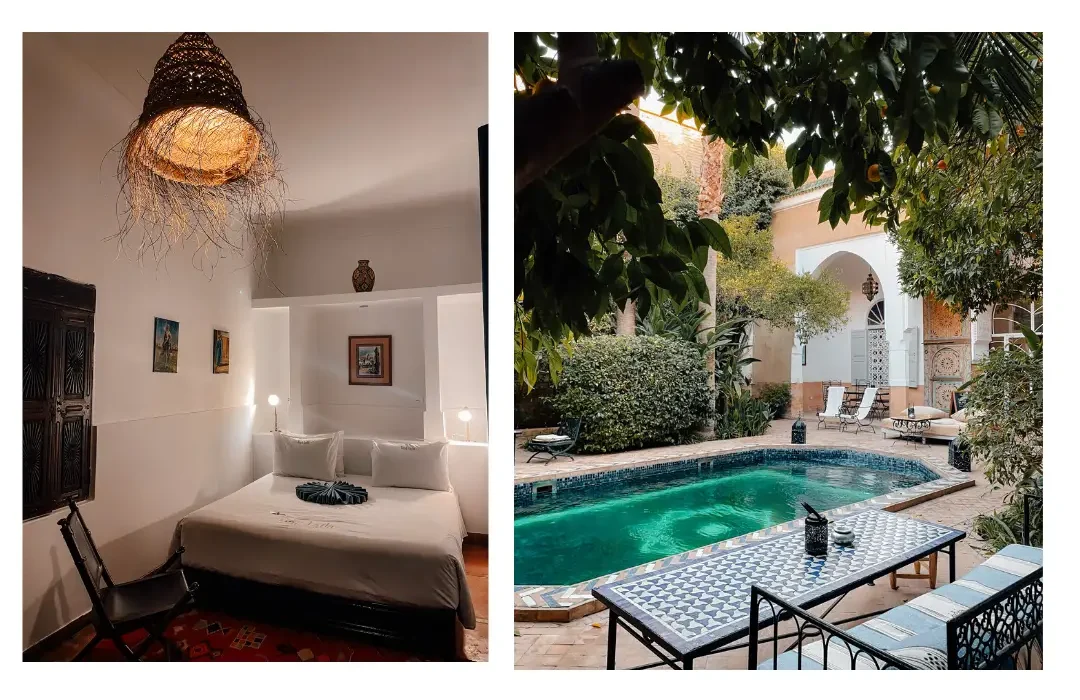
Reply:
x=401, y=547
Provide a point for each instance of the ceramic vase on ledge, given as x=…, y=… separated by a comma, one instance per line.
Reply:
x=363, y=277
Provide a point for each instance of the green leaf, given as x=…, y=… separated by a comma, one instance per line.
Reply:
x=697, y=280
x=667, y=109
x=642, y=153
x=799, y=174
x=825, y=205
x=645, y=134
x=718, y=238
x=611, y=269
x=886, y=70
x=622, y=127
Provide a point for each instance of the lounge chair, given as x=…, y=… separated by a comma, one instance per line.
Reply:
x=833, y=405
x=862, y=418
x=557, y=444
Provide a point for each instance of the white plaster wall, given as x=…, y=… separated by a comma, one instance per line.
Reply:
x=166, y=443
x=462, y=377
x=829, y=357
x=394, y=411
x=417, y=244
x=271, y=366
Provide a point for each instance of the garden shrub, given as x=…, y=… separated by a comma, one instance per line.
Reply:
x=776, y=396
x=1005, y=432
x=633, y=392
x=741, y=415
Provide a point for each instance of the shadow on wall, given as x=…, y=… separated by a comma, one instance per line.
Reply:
x=416, y=244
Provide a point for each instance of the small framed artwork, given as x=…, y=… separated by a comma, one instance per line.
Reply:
x=370, y=360
x=221, y=352
x=166, y=345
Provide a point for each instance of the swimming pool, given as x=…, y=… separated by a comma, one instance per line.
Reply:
x=604, y=525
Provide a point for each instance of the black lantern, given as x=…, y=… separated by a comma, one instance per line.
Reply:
x=817, y=535
x=870, y=287
x=960, y=455
x=798, y=431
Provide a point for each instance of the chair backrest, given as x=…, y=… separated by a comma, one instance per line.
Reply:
x=834, y=401
x=570, y=427
x=89, y=563
x=867, y=402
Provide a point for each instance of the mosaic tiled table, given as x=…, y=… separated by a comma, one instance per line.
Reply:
x=696, y=609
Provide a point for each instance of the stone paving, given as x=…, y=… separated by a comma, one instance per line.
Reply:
x=582, y=643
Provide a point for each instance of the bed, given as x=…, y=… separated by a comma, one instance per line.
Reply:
x=391, y=567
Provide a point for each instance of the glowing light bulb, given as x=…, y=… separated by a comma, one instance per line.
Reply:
x=273, y=400
x=464, y=415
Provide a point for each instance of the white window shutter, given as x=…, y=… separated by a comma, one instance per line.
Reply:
x=911, y=345
x=859, y=366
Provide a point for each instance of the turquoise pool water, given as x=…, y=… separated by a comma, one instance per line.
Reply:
x=582, y=535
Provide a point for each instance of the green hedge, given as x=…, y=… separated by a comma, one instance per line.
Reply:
x=777, y=397
x=633, y=392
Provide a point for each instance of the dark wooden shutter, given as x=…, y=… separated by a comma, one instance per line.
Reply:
x=58, y=362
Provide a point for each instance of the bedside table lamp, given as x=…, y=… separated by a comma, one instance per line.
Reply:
x=465, y=415
x=273, y=400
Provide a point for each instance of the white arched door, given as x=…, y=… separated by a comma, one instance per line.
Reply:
x=877, y=346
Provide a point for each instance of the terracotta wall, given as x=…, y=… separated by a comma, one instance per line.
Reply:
x=808, y=398
x=798, y=227
x=772, y=346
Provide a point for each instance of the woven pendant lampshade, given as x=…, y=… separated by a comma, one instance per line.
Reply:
x=197, y=165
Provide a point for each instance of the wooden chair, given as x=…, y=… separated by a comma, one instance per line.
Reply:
x=931, y=574
x=148, y=603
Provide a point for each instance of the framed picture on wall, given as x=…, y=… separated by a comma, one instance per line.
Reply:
x=370, y=360
x=166, y=345
x=221, y=352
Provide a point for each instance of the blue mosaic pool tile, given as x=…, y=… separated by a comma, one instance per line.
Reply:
x=525, y=493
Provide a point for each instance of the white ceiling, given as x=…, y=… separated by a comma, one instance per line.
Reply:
x=361, y=120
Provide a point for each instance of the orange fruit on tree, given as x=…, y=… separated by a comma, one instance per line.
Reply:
x=934, y=89
x=873, y=173
x=1020, y=130
x=942, y=165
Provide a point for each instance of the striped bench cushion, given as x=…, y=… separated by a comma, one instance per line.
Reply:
x=915, y=631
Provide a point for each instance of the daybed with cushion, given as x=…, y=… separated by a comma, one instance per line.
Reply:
x=942, y=425
x=992, y=617
x=391, y=567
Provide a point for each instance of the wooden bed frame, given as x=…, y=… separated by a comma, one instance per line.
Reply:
x=431, y=632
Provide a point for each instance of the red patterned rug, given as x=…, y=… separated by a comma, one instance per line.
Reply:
x=213, y=636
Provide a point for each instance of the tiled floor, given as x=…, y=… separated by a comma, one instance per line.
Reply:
x=582, y=643
x=476, y=641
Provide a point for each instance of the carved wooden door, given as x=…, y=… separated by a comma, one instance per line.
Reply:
x=947, y=352
x=58, y=342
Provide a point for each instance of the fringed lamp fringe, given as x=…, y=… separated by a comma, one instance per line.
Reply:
x=197, y=166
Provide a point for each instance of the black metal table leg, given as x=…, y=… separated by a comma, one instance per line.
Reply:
x=612, y=629
x=688, y=663
x=952, y=562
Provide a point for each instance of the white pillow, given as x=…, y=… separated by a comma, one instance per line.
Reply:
x=410, y=465
x=960, y=415
x=928, y=413
x=306, y=456
x=339, y=447
x=551, y=438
